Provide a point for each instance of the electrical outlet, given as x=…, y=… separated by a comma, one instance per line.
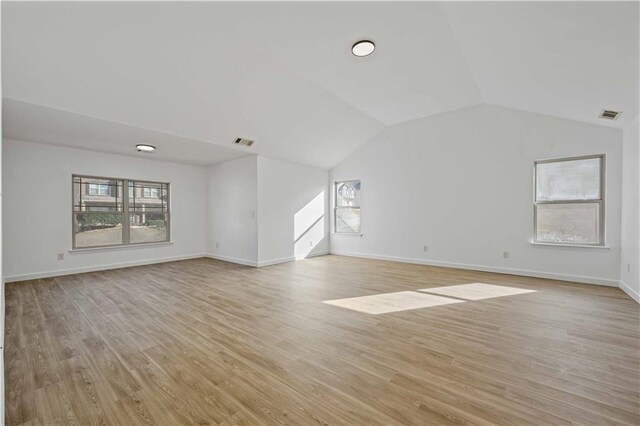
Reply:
x=505, y=254
x=60, y=256
x=311, y=243
x=425, y=248
x=628, y=268
x=217, y=245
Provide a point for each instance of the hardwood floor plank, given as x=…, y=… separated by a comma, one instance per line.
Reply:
x=208, y=342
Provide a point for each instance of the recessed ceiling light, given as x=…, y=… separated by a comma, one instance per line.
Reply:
x=363, y=48
x=145, y=148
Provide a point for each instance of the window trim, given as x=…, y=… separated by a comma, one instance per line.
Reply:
x=83, y=250
x=601, y=202
x=125, y=215
x=335, y=206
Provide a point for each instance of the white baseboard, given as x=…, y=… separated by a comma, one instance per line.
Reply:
x=269, y=262
x=314, y=254
x=631, y=292
x=239, y=261
x=291, y=258
x=527, y=273
x=61, y=272
x=496, y=269
x=275, y=261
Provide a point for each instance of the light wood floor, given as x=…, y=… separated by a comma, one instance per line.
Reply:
x=208, y=342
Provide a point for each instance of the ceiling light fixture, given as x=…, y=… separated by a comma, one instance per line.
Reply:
x=363, y=48
x=145, y=148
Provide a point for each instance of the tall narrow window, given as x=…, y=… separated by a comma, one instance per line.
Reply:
x=98, y=212
x=347, y=207
x=569, y=201
x=148, y=212
x=105, y=215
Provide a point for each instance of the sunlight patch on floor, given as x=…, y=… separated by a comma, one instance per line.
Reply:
x=391, y=302
x=476, y=291
x=425, y=298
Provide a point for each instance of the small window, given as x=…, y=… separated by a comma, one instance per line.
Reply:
x=569, y=201
x=150, y=193
x=347, y=207
x=99, y=189
x=103, y=216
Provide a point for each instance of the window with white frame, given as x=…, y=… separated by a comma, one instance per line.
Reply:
x=113, y=219
x=569, y=201
x=99, y=189
x=347, y=207
x=150, y=193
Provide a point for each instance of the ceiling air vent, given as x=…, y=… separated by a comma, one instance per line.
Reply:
x=610, y=115
x=245, y=142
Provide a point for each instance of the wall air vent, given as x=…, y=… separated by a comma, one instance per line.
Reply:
x=245, y=142
x=609, y=115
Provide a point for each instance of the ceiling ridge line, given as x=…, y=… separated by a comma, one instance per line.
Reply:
x=456, y=39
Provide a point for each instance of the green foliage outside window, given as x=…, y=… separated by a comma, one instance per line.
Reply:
x=93, y=220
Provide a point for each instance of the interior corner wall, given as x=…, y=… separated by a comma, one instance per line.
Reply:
x=37, y=224
x=461, y=183
x=630, y=258
x=292, y=211
x=232, y=211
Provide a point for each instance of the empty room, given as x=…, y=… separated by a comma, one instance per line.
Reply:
x=331, y=213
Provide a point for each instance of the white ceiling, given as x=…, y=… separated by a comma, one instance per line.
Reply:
x=30, y=122
x=283, y=74
x=568, y=59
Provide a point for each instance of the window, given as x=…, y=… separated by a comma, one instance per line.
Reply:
x=569, y=201
x=347, y=207
x=148, y=212
x=150, y=193
x=98, y=189
x=113, y=219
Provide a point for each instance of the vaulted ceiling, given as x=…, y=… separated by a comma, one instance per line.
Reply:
x=185, y=74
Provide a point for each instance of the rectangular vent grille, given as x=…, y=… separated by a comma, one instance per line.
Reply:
x=609, y=115
x=245, y=142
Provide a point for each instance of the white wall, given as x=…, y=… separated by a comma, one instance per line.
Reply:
x=461, y=183
x=232, y=210
x=37, y=209
x=214, y=210
x=263, y=211
x=630, y=259
x=292, y=211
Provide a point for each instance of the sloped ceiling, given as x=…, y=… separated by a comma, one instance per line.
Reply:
x=283, y=74
x=35, y=123
x=568, y=59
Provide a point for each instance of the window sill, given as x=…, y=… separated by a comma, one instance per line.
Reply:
x=116, y=248
x=570, y=245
